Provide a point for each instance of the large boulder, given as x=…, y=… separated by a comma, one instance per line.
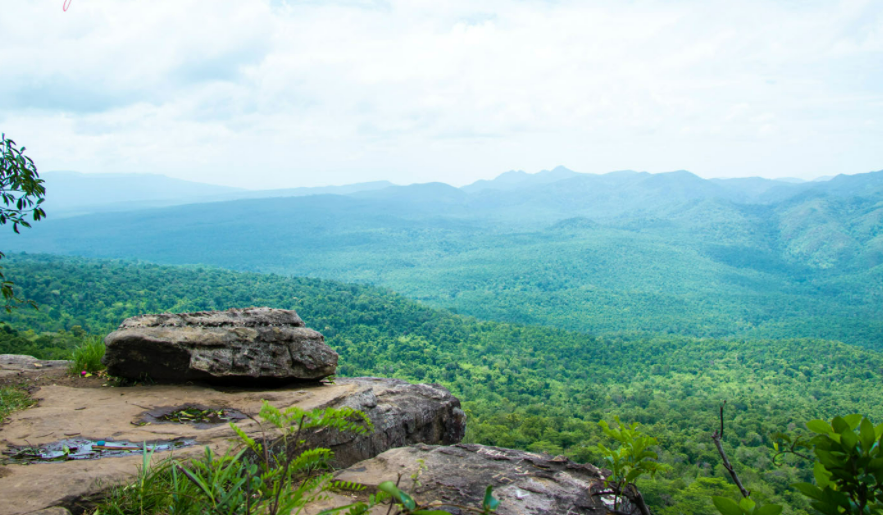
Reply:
x=252, y=346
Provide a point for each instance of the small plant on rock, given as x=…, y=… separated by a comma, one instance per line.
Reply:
x=631, y=460
x=284, y=472
x=86, y=357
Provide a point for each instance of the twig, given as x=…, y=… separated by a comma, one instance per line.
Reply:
x=289, y=457
x=639, y=500
x=716, y=436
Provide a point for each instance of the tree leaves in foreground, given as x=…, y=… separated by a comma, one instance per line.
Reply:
x=847, y=464
x=21, y=191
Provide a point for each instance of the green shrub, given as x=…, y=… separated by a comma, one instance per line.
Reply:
x=86, y=357
x=631, y=460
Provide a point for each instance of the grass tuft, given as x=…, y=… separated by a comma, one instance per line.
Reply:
x=13, y=399
x=87, y=357
x=158, y=489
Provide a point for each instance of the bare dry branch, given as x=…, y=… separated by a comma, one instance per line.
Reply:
x=717, y=436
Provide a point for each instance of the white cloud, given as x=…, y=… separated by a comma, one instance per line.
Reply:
x=260, y=94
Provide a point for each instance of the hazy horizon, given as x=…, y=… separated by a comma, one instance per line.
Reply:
x=273, y=187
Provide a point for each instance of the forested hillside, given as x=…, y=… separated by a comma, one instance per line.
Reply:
x=522, y=386
x=623, y=253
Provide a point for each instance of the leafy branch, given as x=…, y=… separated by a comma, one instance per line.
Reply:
x=848, y=464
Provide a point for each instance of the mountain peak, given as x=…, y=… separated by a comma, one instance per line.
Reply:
x=518, y=178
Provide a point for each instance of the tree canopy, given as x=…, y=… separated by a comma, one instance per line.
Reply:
x=527, y=387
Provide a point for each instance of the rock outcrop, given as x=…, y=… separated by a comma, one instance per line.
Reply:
x=402, y=414
x=525, y=483
x=251, y=346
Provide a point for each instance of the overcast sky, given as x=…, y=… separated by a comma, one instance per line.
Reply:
x=264, y=94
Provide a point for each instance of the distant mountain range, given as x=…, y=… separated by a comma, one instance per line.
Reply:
x=619, y=252
x=74, y=193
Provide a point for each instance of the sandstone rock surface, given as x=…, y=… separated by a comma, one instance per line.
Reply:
x=251, y=346
x=15, y=364
x=525, y=483
x=21, y=361
x=402, y=414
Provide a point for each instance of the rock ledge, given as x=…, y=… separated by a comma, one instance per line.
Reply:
x=402, y=414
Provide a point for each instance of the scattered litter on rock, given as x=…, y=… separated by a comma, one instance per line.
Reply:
x=87, y=449
x=198, y=416
x=201, y=417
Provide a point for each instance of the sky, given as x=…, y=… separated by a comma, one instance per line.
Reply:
x=271, y=94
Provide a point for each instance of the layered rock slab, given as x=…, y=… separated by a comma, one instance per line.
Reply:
x=525, y=483
x=12, y=365
x=402, y=414
x=250, y=346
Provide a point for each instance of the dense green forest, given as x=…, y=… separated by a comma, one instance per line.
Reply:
x=523, y=386
x=625, y=253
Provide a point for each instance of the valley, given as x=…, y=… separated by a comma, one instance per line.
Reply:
x=621, y=253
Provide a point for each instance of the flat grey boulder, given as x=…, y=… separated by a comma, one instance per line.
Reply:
x=526, y=483
x=250, y=346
